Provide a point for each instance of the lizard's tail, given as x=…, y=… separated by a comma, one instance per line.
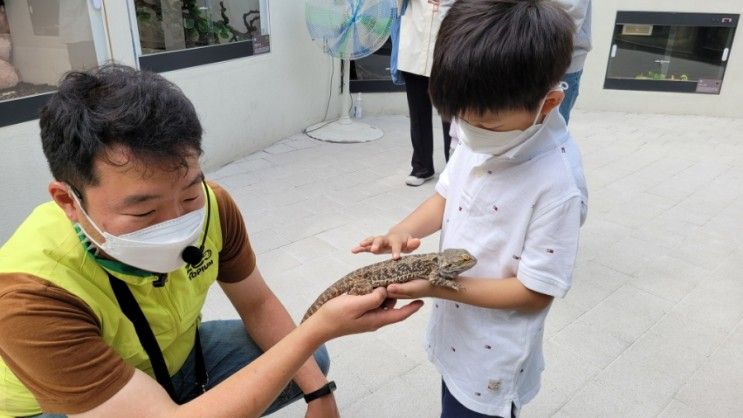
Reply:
x=324, y=297
x=310, y=311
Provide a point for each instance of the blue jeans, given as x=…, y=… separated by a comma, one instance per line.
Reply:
x=227, y=348
x=452, y=408
x=571, y=94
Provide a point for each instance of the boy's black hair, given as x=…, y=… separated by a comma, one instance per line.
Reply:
x=499, y=55
x=116, y=105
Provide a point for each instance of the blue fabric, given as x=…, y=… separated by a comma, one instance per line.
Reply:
x=227, y=348
x=397, y=77
x=451, y=408
x=571, y=94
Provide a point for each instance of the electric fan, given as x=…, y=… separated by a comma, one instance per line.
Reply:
x=348, y=29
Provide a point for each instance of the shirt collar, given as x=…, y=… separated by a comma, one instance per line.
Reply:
x=552, y=133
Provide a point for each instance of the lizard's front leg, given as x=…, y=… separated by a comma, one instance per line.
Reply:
x=437, y=280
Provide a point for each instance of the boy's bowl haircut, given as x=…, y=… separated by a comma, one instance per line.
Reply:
x=499, y=55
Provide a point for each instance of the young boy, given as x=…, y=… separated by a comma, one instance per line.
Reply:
x=513, y=194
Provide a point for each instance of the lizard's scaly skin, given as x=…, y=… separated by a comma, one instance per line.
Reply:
x=439, y=268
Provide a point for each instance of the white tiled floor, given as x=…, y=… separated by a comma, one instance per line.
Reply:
x=653, y=325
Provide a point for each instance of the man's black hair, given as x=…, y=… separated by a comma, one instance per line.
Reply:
x=499, y=55
x=116, y=105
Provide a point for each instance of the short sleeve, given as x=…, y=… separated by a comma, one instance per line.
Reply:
x=52, y=343
x=550, y=249
x=237, y=259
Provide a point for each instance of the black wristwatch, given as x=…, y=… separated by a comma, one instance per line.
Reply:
x=327, y=389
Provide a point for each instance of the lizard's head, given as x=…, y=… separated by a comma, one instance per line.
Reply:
x=452, y=262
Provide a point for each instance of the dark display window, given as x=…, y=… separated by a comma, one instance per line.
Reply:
x=40, y=40
x=177, y=34
x=372, y=73
x=676, y=52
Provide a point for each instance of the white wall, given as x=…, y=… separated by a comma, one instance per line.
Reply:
x=385, y=103
x=24, y=173
x=244, y=104
x=594, y=97
x=247, y=104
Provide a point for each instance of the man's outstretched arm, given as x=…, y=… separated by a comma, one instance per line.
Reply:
x=251, y=390
x=267, y=322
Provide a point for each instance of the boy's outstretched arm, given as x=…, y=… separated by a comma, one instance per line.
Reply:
x=405, y=236
x=507, y=293
x=544, y=270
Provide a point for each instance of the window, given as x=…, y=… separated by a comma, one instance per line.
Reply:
x=372, y=73
x=182, y=33
x=679, y=52
x=40, y=40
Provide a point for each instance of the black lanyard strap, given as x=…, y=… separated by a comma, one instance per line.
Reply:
x=201, y=376
x=133, y=312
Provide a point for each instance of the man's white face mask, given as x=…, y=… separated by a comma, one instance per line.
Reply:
x=157, y=248
x=485, y=141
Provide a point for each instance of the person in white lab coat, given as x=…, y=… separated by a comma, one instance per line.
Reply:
x=418, y=29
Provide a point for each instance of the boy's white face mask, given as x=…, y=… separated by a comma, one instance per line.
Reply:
x=157, y=248
x=485, y=141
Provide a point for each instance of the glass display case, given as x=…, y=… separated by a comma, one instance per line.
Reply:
x=41, y=40
x=673, y=52
x=372, y=73
x=175, y=34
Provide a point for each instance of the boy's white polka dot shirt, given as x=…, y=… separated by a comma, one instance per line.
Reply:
x=520, y=215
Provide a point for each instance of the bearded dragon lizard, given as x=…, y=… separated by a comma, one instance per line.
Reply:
x=439, y=268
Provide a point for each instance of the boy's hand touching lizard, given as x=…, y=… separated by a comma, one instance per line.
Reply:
x=396, y=241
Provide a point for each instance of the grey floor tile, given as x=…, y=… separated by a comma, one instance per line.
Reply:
x=594, y=282
x=718, y=308
x=413, y=395
x=603, y=399
x=597, y=346
x=676, y=409
x=600, y=335
x=566, y=371
x=629, y=312
x=668, y=278
x=309, y=248
x=628, y=254
x=275, y=262
x=562, y=313
x=546, y=404
x=715, y=388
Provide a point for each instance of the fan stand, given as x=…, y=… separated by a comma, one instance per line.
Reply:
x=344, y=130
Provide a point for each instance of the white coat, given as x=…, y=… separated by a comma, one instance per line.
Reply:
x=418, y=29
